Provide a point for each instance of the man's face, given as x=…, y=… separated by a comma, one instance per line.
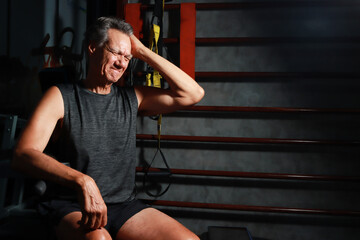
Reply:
x=116, y=55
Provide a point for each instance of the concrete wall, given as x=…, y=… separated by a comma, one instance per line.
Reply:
x=297, y=92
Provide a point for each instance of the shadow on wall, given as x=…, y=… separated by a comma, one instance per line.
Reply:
x=19, y=87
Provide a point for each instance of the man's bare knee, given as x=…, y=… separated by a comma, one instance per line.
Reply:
x=191, y=236
x=99, y=234
x=70, y=229
x=194, y=238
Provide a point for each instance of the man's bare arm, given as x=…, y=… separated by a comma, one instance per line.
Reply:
x=30, y=159
x=184, y=90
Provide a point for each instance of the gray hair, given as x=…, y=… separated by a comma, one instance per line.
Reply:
x=98, y=32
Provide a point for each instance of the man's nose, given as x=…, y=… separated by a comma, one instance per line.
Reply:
x=121, y=62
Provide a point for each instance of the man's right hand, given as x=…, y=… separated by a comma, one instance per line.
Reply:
x=93, y=207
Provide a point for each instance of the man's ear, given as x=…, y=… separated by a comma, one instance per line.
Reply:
x=91, y=48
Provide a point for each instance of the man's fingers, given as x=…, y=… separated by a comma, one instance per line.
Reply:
x=91, y=222
x=102, y=216
x=95, y=219
x=84, y=219
x=104, y=221
x=93, y=206
x=97, y=222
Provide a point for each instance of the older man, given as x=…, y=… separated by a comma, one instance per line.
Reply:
x=95, y=124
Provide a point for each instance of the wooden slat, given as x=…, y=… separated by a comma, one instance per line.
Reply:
x=285, y=176
x=253, y=208
x=244, y=140
x=270, y=109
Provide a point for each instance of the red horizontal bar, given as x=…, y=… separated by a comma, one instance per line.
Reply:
x=171, y=40
x=271, y=109
x=220, y=75
x=243, y=140
x=272, y=4
x=253, y=208
x=277, y=74
x=199, y=6
x=286, y=176
x=204, y=41
x=265, y=40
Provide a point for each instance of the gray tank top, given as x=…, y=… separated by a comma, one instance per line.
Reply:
x=98, y=138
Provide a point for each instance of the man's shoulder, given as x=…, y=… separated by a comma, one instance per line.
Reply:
x=129, y=90
x=66, y=88
x=128, y=93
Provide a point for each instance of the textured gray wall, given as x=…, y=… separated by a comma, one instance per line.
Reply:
x=304, y=21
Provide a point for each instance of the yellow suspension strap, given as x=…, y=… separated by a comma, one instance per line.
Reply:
x=153, y=78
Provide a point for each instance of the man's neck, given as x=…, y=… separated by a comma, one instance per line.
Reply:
x=96, y=86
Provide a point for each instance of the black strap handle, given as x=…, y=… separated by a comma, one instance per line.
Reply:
x=166, y=173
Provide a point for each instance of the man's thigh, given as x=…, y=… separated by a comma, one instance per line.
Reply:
x=153, y=224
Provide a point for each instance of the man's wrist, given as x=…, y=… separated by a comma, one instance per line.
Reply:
x=80, y=182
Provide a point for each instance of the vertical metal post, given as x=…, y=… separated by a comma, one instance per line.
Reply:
x=187, y=37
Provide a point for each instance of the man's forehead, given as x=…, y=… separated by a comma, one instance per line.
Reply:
x=118, y=39
x=117, y=34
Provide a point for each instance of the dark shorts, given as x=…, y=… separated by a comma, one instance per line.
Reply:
x=118, y=213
